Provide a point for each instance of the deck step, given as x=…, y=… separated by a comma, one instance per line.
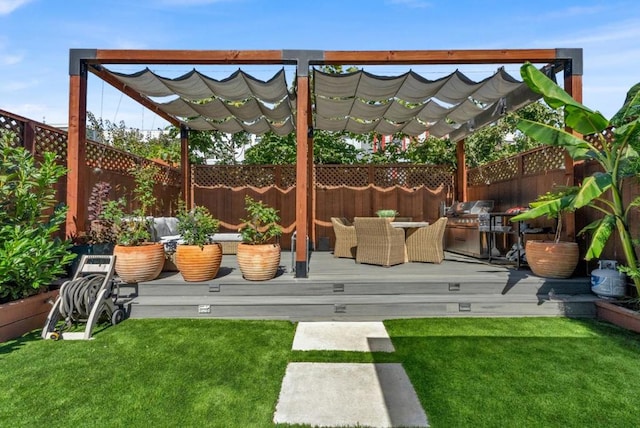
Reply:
x=360, y=307
x=172, y=285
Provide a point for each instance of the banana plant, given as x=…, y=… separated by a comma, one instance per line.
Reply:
x=614, y=147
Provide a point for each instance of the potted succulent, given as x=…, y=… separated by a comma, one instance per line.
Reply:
x=612, y=144
x=387, y=213
x=197, y=257
x=137, y=259
x=258, y=256
x=552, y=259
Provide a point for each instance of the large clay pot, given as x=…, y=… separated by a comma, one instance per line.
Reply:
x=139, y=263
x=198, y=264
x=258, y=262
x=552, y=259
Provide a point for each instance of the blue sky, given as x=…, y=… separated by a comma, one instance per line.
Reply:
x=36, y=35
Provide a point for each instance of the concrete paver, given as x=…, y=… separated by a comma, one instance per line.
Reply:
x=342, y=336
x=347, y=394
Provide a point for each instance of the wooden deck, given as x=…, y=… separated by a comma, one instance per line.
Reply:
x=340, y=289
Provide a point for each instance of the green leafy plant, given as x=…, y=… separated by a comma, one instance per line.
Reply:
x=101, y=230
x=614, y=145
x=31, y=255
x=554, y=204
x=196, y=226
x=261, y=224
x=386, y=213
x=132, y=229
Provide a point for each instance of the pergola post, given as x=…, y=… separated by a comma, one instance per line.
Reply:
x=77, y=146
x=461, y=172
x=185, y=167
x=302, y=176
x=573, y=86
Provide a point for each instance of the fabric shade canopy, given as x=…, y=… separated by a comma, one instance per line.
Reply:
x=358, y=102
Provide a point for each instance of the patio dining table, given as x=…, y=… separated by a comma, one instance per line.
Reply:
x=408, y=225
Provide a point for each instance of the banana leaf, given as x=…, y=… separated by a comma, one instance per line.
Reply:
x=576, y=115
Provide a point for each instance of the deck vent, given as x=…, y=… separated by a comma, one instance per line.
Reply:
x=464, y=307
x=214, y=288
x=340, y=309
x=338, y=288
x=454, y=286
x=204, y=309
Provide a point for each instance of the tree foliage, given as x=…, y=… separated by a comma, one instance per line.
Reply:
x=490, y=143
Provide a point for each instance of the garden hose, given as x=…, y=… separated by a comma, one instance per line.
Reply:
x=79, y=296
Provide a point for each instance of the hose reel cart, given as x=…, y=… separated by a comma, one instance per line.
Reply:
x=85, y=298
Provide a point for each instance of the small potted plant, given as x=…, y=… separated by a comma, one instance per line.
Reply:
x=137, y=259
x=197, y=257
x=258, y=254
x=388, y=214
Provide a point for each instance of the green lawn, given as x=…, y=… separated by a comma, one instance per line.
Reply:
x=526, y=372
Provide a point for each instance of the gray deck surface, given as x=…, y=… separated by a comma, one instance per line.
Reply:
x=341, y=289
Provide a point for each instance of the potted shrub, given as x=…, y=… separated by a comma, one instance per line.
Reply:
x=137, y=259
x=552, y=259
x=197, y=258
x=258, y=256
x=613, y=144
x=388, y=214
x=32, y=254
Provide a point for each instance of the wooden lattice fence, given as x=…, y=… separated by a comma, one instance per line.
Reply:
x=103, y=163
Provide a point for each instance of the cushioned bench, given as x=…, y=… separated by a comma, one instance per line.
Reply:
x=165, y=230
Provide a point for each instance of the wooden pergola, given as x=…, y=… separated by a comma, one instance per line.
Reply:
x=83, y=61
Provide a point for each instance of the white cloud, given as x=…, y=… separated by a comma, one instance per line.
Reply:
x=7, y=59
x=8, y=6
x=18, y=85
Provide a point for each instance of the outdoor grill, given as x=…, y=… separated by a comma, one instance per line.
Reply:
x=465, y=227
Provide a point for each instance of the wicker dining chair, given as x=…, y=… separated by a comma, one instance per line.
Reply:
x=425, y=244
x=345, y=238
x=379, y=243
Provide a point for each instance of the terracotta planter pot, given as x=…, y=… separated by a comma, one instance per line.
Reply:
x=24, y=315
x=618, y=315
x=140, y=263
x=552, y=259
x=198, y=264
x=258, y=262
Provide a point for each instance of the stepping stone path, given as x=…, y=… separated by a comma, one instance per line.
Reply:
x=347, y=394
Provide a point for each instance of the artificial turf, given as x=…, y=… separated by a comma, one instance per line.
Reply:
x=515, y=372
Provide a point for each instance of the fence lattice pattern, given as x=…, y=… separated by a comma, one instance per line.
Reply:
x=284, y=176
x=539, y=161
x=12, y=125
x=51, y=140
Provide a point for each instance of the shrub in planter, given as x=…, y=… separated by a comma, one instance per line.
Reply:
x=137, y=259
x=197, y=258
x=258, y=256
x=31, y=255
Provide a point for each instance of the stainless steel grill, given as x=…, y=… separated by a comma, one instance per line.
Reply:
x=464, y=233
